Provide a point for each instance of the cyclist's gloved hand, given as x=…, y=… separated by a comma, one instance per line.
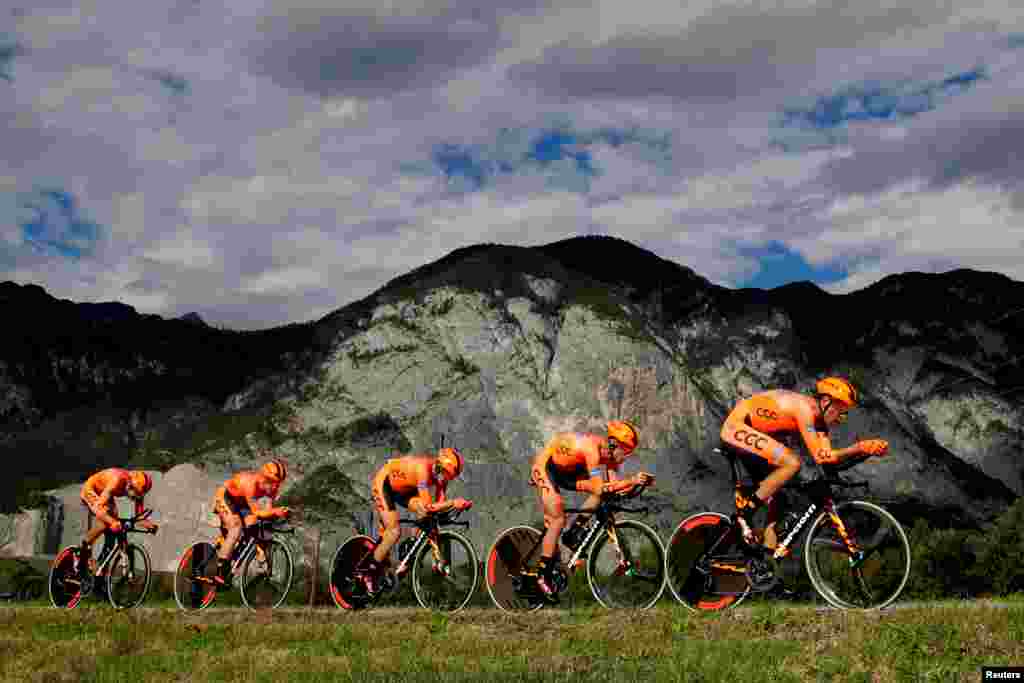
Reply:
x=281, y=513
x=644, y=479
x=877, y=447
x=149, y=526
x=617, y=486
x=462, y=504
x=115, y=527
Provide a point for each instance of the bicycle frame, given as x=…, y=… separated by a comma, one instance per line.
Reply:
x=605, y=515
x=426, y=530
x=821, y=494
x=249, y=543
x=114, y=542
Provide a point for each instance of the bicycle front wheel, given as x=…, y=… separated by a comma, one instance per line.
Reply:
x=692, y=576
x=130, y=574
x=194, y=587
x=267, y=575
x=875, y=577
x=445, y=579
x=64, y=585
x=626, y=566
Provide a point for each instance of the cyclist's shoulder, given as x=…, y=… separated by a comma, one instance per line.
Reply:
x=786, y=401
x=409, y=463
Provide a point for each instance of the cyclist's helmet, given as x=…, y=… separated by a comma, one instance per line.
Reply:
x=625, y=434
x=275, y=470
x=141, y=482
x=450, y=462
x=838, y=389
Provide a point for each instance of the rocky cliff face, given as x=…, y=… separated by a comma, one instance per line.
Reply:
x=496, y=348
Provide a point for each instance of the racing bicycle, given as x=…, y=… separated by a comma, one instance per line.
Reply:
x=856, y=554
x=444, y=566
x=123, y=570
x=625, y=560
x=263, y=563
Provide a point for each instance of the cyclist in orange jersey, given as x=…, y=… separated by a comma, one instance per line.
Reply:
x=98, y=494
x=752, y=420
x=406, y=481
x=235, y=504
x=573, y=461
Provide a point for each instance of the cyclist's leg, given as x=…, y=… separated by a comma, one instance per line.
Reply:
x=738, y=435
x=551, y=504
x=104, y=515
x=554, y=521
x=387, y=510
x=230, y=520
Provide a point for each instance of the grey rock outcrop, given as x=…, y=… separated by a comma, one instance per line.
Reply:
x=496, y=348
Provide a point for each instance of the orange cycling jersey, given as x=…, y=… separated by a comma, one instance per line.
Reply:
x=115, y=479
x=772, y=412
x=109, y=483
x=240, y=492
x=579, y=455
x=412, y=477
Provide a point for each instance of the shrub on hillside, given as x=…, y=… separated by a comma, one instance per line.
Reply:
x=1001, y=559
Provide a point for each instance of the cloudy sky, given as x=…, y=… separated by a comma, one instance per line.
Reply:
x=267, y=162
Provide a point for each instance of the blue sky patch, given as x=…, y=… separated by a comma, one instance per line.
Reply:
x=781, y=265
x=173, y=83
x=559, y=151
x=1015, y=40
x=817, y=120
x=9, y=49
x=52, y=223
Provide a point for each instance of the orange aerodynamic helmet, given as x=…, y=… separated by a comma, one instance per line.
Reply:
x=838, y=389
x=141, y=481
x=275, y=470
x=451, y=462
x=625, y=433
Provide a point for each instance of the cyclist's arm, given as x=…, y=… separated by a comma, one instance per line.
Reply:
x=107, y=495
x=261, y=511
x=820, y=446
x=423, y=504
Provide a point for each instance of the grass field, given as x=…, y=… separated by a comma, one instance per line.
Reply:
x=767, y=642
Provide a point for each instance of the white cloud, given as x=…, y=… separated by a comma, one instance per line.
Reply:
x=283, y=281
x=183, y=249
x=910, y=228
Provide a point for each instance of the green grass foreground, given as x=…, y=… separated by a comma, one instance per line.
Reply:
x=763, y=643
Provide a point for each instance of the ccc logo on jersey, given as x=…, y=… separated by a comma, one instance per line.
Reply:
x=755, y=440
x=766, y=414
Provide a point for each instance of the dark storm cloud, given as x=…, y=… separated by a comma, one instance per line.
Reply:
x=986, y=147
x=727, y=53
x=365, y=54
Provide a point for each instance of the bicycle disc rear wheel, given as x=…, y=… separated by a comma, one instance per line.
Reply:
x=267, y=576
x=627, y=571
x=194, y=587
x=870, y=582
x=346, y=590
x=129, y=577
x=64, y=586
x=448, y=582
x=506, y=559
x=696, y=584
